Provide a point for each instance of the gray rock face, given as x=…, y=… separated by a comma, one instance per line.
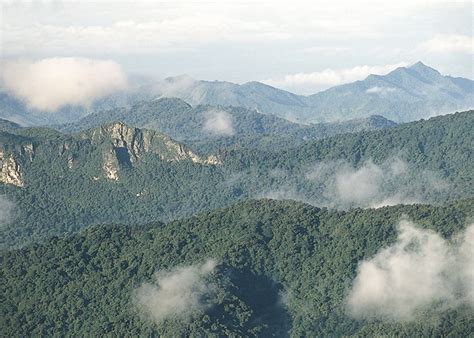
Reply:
x=126, y=146
x=10, y=162
x=100, y=152
x=11, y=172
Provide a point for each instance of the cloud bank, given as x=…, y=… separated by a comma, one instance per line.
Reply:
x=175, y=86
x=176, y=293
x=313, y=82
x=74, y=26
x=52, y=83
x=420, y=272
x=338, y=184
x=219, y=123
x=371, y=185
x=450, y=44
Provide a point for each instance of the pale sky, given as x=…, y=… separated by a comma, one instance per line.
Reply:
x=299, y=45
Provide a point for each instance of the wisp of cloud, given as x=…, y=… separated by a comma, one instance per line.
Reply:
x=373, y=185
x=219, y=123
x=50, y=84
x=175, y=86
x=176, y=293
x=420, y=272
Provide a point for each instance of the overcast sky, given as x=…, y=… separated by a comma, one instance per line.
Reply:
x=299, y=45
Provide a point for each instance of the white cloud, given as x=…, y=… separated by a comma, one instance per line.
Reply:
x=338, y=184
x=449, y=44
x=176, y=32
x=219, y=123
x=313, y=82
x=361, y=184
x=144, y=26
x=175, y=87
x=175, y=294
x=389, y=183
x=380, y=90
x=49, y=84
x=420, y=272
x=185, y=35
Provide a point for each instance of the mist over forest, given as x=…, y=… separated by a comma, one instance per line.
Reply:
x=263, y=169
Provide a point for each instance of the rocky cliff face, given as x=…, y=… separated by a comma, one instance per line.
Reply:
x=102, y=152
x=128, y=145
x=111, y=166
x=11, y=172
x=121, y=136
x=11, y=169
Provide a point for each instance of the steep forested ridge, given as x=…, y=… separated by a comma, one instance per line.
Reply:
x=74, y=181
x=444, y=144
x=183, y=122
x=284, y=268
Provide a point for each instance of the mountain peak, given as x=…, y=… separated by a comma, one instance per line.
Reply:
x=418, y=64
x=421, y=68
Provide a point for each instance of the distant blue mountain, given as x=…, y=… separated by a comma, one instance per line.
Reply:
x=405, y=94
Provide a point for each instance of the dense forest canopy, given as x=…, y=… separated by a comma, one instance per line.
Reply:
x=236, y=169
x=66, y=185
x=265, y=268
x=97, y=237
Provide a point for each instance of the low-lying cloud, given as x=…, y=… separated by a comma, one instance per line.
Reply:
x=380, y=90
x=177, y=293
x=177, y=86
x=52, y=83
x=309, y=83
x=371, y=185
x=218, y=123
x=338, y=184
x=420, y=273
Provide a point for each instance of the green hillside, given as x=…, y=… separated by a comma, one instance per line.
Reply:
x=116, y=174
x=283, y=268
x=212, y=127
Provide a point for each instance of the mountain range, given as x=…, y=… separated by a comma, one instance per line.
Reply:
x=119, y=230
x=216, y=126
x=117, y=173
x=205, y=214
x=405, y=94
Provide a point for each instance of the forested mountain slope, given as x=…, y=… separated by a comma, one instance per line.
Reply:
x=220, y=125
x=116, y=173
x=58, y=181
x=436, y=154
x=435, y=141
x=272, y=269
